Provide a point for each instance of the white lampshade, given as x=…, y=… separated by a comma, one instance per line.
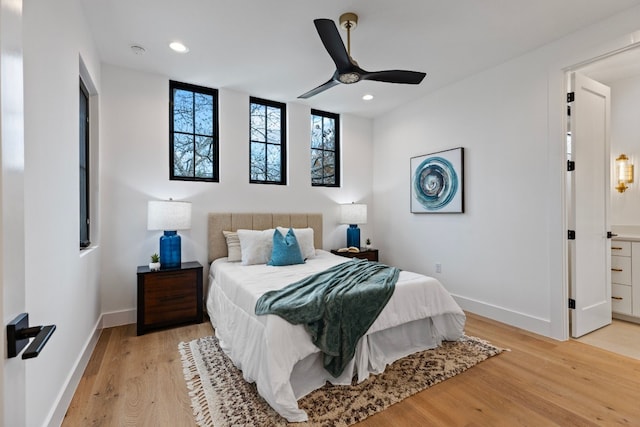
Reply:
x=353, y=213
x=168, y=215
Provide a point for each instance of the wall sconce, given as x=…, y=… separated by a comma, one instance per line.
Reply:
x=624, y=173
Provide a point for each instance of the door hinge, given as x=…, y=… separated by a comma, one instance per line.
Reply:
x=571, y=96
x=571, y=235
x=569, y=110
x=572, y=303
x=571, y=165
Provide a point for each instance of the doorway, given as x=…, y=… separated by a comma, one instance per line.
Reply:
x=621, y=72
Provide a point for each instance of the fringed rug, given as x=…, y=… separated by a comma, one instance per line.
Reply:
x=221, y=397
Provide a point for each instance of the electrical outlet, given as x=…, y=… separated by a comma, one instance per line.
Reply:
x=438, y=267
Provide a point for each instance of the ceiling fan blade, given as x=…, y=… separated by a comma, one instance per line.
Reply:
x=331, y=83
x=395, y=76
x=333, y=43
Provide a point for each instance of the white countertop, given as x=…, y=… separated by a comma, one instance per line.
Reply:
x=626, y=232
x=628, y=237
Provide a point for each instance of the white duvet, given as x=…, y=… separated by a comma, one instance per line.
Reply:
x=280, y=357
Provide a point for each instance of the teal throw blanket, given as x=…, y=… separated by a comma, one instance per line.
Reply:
x=336, y=306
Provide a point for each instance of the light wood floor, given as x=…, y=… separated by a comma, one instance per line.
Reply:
x=620, y=337
x=137, y=381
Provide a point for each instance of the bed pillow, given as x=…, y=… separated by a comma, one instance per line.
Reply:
x=286, y=250
x=305, y=240
x=255, y=246
x=233, y=246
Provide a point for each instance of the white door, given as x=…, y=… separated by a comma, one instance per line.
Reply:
x=590, y=252
x=12, y=273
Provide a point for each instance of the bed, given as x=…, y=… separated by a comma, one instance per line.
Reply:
x=280, y=357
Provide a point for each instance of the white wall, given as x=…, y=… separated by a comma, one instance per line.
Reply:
x=487, y=253
x=505, y=256
x=135, y=155
x=62, y=285
x=625, y=138
x=12, y=266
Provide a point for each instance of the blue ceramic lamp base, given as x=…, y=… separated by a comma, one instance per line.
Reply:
x=353, y=236
x=170, y=249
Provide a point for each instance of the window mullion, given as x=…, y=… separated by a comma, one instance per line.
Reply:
x=266, y=146
x=193, y=131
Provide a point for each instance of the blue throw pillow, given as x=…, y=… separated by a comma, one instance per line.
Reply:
x=286, y=250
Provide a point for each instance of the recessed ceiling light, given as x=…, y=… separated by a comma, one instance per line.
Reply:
x=367, y=97
x=138, y=50
x=179, y=47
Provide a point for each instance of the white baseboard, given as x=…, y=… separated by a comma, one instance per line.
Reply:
x=56, y=416
x=118, y=318
x=625, y=317
x=106, y=320
x=501, y=314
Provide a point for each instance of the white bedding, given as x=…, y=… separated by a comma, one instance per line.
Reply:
x=280, y=357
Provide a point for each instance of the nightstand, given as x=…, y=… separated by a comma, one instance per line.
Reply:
x=369, y=254
x=169, y=297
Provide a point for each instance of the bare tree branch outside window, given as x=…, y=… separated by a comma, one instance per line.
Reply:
x=325, y=153
x=267, y=150
x=193, y=132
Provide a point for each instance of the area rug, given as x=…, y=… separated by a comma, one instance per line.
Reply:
x=220, y=397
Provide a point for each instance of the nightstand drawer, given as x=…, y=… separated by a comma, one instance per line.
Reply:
x=170, y=297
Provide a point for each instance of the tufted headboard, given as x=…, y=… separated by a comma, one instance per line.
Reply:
x=217, y=222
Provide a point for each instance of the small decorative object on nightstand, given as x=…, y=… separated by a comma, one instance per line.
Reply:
x=368, y=254
x=154, y=265
x=169, y=297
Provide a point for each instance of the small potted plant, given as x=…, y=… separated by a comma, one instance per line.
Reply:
x=154, y=265
x=367, y=244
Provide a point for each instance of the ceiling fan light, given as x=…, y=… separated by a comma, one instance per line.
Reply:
x=367, y=97
x=349, y=78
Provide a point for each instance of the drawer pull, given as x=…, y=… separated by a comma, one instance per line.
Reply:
x=617, y=298
x=616, y=269
x=175, y=298
x=616, y=248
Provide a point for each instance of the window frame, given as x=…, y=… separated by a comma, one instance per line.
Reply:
x=84, y=144
x=283, y=140
x=337, y=174
x=215, y=137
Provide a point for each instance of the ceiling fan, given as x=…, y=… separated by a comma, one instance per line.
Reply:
x=347, y=69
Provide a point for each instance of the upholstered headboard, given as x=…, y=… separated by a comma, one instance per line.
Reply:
x=217, y=222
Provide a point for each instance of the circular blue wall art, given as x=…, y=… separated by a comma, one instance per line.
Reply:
x=435, y=183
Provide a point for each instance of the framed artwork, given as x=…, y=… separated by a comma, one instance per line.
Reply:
x=437, y=182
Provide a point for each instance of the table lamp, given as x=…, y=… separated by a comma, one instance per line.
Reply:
x=353, y=214
x=169, y=216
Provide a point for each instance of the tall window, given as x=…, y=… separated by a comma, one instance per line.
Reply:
x=193, y=132
x=84, y=167
x=267, y=142
x=325, y=149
